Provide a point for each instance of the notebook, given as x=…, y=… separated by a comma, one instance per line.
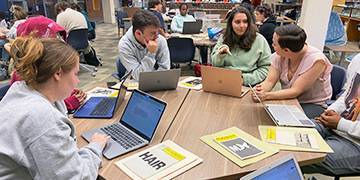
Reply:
x=192, y=27
x=102, y=107
x=136, y=127
x=285, y=115
x=222, y=81
x=159, y=80
x=285, y=168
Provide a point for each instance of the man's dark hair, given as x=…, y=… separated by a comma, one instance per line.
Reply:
x=291, y=36
x=142, y=19
x=153, y=3
x=183, y=4
x=61, y=6
x=246, y=40
x=264, y=9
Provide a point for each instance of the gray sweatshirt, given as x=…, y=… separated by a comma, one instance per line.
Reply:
x=37, y=140
x=135, y=56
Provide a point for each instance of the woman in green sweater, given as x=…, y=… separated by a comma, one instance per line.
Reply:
x=242, y=48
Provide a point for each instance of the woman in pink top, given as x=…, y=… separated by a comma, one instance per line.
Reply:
x=303, y=71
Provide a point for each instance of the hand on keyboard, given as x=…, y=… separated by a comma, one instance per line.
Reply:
x=100, y=138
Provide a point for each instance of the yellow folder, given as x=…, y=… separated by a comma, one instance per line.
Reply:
x=267, y=134
x=268, y=150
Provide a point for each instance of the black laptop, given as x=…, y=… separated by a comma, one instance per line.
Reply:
x=192, y=27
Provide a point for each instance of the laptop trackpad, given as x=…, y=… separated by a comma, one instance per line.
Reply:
x=113, y=149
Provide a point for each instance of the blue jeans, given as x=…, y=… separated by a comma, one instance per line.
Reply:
x=344, y=160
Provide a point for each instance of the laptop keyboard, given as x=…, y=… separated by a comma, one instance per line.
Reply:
x=104, y=106
x=121, y=135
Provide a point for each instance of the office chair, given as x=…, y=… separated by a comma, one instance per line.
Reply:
x=3, y=89
x=120, y=22
x=182, y=50
x=78, y=39
x=121, y=70
x=338, y=79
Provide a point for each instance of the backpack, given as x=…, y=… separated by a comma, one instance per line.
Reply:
x=91, y=58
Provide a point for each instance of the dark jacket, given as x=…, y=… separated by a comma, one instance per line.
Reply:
x=267, y=30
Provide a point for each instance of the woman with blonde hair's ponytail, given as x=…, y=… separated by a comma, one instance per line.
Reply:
x=38, y=140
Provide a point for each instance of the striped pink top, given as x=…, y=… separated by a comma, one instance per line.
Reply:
x=321, y=90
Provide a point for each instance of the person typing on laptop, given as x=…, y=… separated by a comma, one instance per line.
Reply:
x=177, y=23
x=242, y=48
x=141, y=49
x=303, y=71
x=38, y=140
x=339, y=125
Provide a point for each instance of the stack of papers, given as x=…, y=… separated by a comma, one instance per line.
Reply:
x=238, y=146
x=129, y=84
x=293, y=138
x=163, y=161
x=191, y=83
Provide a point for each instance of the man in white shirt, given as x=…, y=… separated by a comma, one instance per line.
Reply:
x=339, y=125
x=69, y=18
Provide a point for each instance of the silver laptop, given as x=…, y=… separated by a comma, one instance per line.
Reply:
x=285, y=168
x=286, y=115
x=159, y=80
x=136, y=127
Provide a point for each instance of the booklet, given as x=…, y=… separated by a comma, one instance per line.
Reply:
x=102, y=92
x=238, y=146
x=294, y=138
x=191, y=83
x=129, y=84
x=162, y=161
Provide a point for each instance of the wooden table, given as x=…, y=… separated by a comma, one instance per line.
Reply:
x=206, y=113
x=174, y=100
x=349, y=47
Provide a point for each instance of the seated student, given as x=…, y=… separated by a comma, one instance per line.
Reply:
x=242, y=48
x=339, y=125
x=303, y=71
x=91, y=29
x=42, y=27
x=155, y=7
x=266, y=22
x=177, y=23
x=38, y=140
x=141, y=49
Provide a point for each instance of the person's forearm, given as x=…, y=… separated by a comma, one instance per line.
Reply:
x=282, y=94
x=267, y=85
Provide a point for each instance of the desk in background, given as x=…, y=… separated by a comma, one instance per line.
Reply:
x=349, y=47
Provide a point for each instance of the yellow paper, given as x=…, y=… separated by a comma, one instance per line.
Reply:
x=268, y=151
x=173, y=154
x=323, y=147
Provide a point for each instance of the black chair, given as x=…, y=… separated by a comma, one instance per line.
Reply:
x=338, y=79
x=182, y=50
x=120, y=22
x=121, y=70
x=78, y=39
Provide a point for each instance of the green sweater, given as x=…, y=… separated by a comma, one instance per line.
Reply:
x=254, y=64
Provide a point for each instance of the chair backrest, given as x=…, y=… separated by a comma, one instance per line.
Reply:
x=120, y=68
x=338, y=78
x=3, y=89
x=182, y=50
x=78, y=39
x=336, y=34
x=119, y=18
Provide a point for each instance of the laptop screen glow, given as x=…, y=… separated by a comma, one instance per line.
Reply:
x=143, y=114
x=286, y=170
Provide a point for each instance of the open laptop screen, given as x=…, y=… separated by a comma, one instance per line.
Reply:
x=286, y=170
x=142, y=114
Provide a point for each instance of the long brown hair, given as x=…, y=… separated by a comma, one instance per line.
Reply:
x=37, y=60
x=246, y=40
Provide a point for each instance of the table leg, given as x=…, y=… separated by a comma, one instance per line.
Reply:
x=342, y=57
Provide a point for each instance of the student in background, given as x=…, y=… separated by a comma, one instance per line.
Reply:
x=68, y=18
x=266, y=22
x=20, y=16
x=38, y=140
x=141, y=49
x=91, y=30
x=339, y=125
x=177, y=23
x=155, y=7
x=303, y=71
x=242, y=48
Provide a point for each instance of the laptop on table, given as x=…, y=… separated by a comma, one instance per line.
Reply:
x=102, y=107
x=222, y=81
x=285, y=168
x=192, y=27
x=136, y=127
x=159, y=80
x=285, y=115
